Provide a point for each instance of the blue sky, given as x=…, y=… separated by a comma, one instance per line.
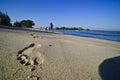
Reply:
x=93, y=14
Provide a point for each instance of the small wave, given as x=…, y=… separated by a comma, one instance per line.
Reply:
x=107, y=35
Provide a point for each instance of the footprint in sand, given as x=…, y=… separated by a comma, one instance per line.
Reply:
x=30, y=56
x=34, y=35
x=33, y=77
x=31, y=33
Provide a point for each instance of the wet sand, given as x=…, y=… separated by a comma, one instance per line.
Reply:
x=65, y=57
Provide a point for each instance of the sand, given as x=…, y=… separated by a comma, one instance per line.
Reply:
x=65, y=57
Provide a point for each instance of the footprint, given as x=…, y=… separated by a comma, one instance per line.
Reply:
x=50, y=45
x=21, y=51
x=30, y=56
x=35, y=36
x=32, y=34
x=33, y=77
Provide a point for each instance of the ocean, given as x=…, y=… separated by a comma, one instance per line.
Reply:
x=99, y=34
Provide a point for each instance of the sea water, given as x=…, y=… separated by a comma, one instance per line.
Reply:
x=99, y=34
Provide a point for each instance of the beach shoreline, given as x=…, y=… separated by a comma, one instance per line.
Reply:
x=66, y=57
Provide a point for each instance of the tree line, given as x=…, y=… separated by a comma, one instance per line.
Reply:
x=5, y=20
x=24, y=23
x=71, y=28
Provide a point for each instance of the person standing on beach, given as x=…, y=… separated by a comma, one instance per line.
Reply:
x=51, y=26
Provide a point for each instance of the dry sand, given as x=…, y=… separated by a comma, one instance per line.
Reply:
x=65, y=57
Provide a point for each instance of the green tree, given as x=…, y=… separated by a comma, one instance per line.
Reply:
x=17, y=24
x=5, y=19
x=80, y=28
x=57, y=28
x=27, y=23
x=66, y=28
x=87, y=29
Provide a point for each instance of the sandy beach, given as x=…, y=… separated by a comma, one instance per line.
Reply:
x=65, y=57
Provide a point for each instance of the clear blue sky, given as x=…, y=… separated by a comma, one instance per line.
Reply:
x=93, y=14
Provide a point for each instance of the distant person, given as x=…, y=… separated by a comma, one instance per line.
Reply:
x=51, y=26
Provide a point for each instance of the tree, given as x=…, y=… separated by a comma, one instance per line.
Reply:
x=80, y=28
x=87, y=29
x=5, y=19
x=24, y=23
x=17, y=24
x=27, y=23
x=66, y=28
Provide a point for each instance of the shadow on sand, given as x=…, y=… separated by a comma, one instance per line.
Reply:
x=109, y=69
x=31, y=45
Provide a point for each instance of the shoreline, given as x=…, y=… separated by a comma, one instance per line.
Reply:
x=88, y=37
x=82, y=35
x=34, y=30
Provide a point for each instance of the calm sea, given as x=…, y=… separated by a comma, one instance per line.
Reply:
x=107, y=35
